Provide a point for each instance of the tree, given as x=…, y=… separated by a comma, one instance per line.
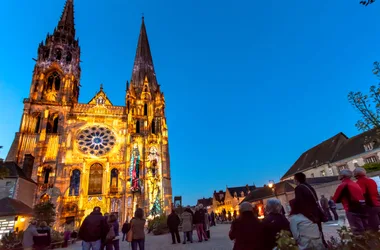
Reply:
x=367, y=2
x=45, y=212
x=368, y=105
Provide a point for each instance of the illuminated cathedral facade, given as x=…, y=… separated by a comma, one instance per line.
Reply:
x=93, y=154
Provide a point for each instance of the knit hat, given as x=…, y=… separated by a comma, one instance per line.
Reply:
x=245, y=207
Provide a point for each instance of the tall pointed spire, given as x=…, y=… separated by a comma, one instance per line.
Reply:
x=143, y=65
x=66, y=23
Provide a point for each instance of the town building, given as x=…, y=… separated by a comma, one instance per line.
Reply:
x=96, y=153
x=17, y=194
x=337, y=153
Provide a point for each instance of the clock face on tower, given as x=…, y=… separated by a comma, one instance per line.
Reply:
x=96, y=140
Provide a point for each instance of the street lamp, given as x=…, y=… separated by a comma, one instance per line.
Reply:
x=271, y=184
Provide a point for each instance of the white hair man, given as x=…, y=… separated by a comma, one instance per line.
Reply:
x=371, y=195
x=351, y=196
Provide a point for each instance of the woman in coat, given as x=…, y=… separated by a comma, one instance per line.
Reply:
x=113, y=223
x=187, y=225
x=273, y=223
x=137, y=227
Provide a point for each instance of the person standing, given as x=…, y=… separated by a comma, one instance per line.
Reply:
x=371, y=196
x=306, y=202
x=137, y=227
x=199, y=219
x=304, y=231
x=42, y=242
x=125, y=229
x=173, y=223
x=246, y=230
x=212, y=215
x=113, y=244
x=332, y=207
x=93, y=230
x=207, y=223
x=187, y=225
x=29, y=234
x=325, y=206
x=351, y=196
x=273, y=223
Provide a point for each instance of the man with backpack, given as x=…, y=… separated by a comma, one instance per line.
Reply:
x=93, y=229
x=351, y=196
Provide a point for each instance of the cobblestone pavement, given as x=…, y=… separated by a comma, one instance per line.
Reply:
x=219, y=240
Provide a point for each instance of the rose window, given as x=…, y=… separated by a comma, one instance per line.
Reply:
x=96, y=140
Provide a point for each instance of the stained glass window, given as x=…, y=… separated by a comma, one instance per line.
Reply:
x=95, y=179
x=74, y=183
x=96, y=140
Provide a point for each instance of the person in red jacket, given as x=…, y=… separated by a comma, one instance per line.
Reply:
x=351, y=196
x=371, y=195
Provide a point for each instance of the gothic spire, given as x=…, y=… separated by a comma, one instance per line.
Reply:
x=143, y=65
x=66, y=23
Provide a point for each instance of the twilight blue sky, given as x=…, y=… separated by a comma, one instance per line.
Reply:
x=249, y=85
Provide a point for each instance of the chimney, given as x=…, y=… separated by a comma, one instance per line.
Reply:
x=27, y=166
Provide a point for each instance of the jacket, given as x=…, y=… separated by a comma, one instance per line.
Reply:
x=42, y=241
x=187, y=221
x=273, y=223
x=247, y=232
x=125, y=228
x=305, y=232
x=369, y=188
x=207, y=222
x=332, y=204
x=173, y=221
x=93, y=228
x=305, y=202
x=350, y=195
x=324, y=203
x=137, y=226
x=199, y=217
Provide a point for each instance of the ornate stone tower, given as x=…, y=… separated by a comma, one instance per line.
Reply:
x=95, y=153
x=148, y=133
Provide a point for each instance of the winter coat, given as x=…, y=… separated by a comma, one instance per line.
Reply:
x=247, y=232
x=137, y=226
x=306, y=233
x=273, y=223
x=350, y=195
x=207, y=222
x=369, y=188
x=125, y=228
x=187, y=221
x=324, y=203
x=93, y=228
x=305, y=202
x=199, y=217
x=42, y=241
x=173, y=222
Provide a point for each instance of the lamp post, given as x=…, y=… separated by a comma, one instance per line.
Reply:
x=271, y=185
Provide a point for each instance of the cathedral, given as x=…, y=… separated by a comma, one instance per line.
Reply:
x=91, y=154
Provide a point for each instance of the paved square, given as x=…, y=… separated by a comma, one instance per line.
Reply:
x=219, y=240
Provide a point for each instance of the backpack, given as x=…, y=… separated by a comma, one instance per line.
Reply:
x=111, y=234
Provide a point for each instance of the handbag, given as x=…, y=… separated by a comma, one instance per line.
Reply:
x=321, y=214
x=130, y=233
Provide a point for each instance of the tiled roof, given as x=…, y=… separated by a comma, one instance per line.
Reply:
x=205, y=202
x=355, y=145
x=10, y=207
x=238, y=190
x=15, y=171
x=321, y=154
x=259, y=194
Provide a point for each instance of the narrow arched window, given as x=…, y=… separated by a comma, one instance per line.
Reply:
x=37, y=128
x=95, y=179
x=68, y=57
x=46, y=175
x=54, y=81
x=58, y=54
x=138, y=127
x=153, y=127
x=46, y=53
x=145, y=109
x=127, y=106
x=114, y=180
x=55, y=125
x=35, y=86
x=74, y=183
